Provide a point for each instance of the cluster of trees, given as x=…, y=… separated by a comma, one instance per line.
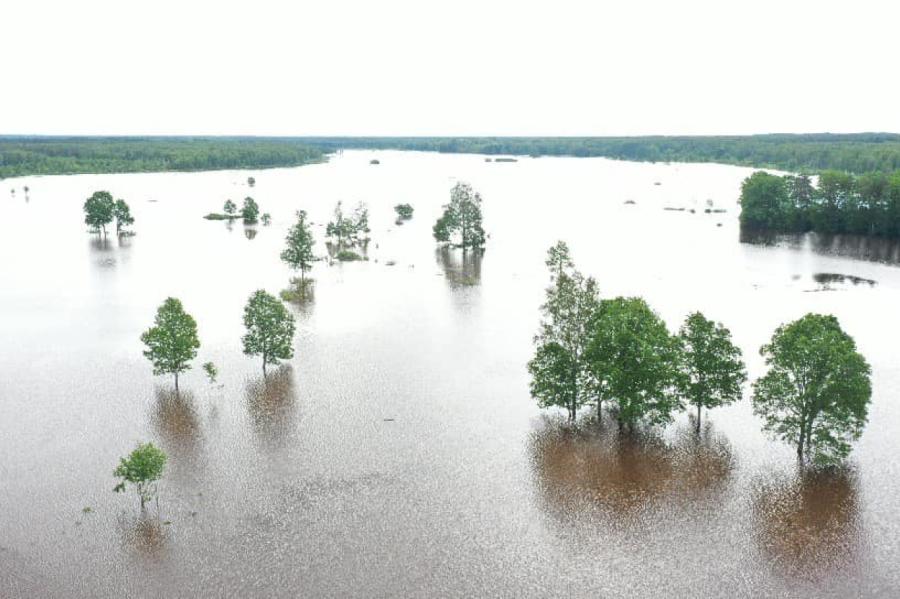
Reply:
x=460, y=224
x=21, y=156
x=349, y=231
x=620, y=353
x=854, y=153
x=172, y=342
x=249, y=212
x=867, y=204
x=100, y=210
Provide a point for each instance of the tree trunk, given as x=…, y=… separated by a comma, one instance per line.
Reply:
x=698, y=418
x=264, y=365
x=176, y=383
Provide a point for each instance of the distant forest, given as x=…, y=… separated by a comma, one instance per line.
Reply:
x=807, y=153
x=69, y=155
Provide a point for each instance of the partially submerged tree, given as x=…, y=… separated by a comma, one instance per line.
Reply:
x=559, y=371
x=251, y=181
x=250, y=211
x=298, y=253
x=404, y=211
x=712, y=370
x=172, y=342
x=817, y=391
x=211, y=371
x=266, y=219
x=229, y=208
x=270, y=329
x=99, y=210
x=123, y=216
x=142, y=468
x=349, y=231
x=460, y=223
x=635, y=360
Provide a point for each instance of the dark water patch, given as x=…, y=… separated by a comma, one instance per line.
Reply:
x=858, y=247
x=829, y=279
x=460, y=268
x=272, y=406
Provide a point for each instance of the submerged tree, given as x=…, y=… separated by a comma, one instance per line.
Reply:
x=142, y=468
x=270, y=329
x=251, y=181
x=299, y=251
x=250, y=211
x=351, y=230
x=211, y=371
x=123, y=216
x=404, y=211
x=712, y=370
x=172, y=342
x=99, y=210
x=229, y=208
x=635, y=359
x=461, y=219
x=817, y=391
x=559, y=372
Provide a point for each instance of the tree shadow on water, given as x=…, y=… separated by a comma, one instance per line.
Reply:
x=144, y=534
x=175, y=419
x=272, y=405
x=602, y=474
x=808, y=524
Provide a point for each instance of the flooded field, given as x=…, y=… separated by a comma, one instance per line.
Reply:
x=399, y=453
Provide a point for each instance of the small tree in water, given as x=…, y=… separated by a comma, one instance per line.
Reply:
x=461, y=216
x=99, y=210
x=251, y=181
x=142, y=468
x=172, y=342
x=123, y=216
x=211, y=372
x=250, y=211
x=712, y=371
x=817, y=391
x=559, y=372
x=229, y=208
x=299, y=251
x=270, y=329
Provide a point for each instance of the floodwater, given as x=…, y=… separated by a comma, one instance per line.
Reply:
x=398, y=453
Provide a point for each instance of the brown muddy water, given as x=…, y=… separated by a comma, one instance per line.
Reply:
x=399, y=453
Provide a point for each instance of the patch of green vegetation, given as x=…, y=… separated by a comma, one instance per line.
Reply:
x=348, y=256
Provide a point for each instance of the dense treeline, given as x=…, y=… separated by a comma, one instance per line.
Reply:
x=21, y=156
x=855, y=153
x=868, y=204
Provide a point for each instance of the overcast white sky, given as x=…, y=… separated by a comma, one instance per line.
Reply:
x=384, y=67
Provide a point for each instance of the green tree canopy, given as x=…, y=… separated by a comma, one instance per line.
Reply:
x=817, y=391
x=559, y=372
x=404, y=211
x=142, y=468
x=250, y=211
x=765, y=203
x=635, y=360
x=461, y=219
x=123, y=216
x=172, y=342
x=351, y=230
x=229, y=208
x=298, y=253
x=99, y=210
x=711, y=366
x=270, y=329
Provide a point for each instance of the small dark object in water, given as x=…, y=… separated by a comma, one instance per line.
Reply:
x=388, y=419
x=657, y=183
x=506, y=160
x=826, y=278
x=374, y=161
x=630, y=202
x=718, y=224
x=487, y=159
x=673, y=209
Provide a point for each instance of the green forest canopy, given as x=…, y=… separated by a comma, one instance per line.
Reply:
x=853, y=153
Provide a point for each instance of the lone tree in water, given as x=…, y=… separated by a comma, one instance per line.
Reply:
x=172, y=342
x=229, y=208
x=461, y=219
x=299, y=251
x=123, y=216
x=143, y=468
x=712, y=370
x=635, y=359
x=270, y=329
x=817, y=391
x=251, y=181
x=99, y=210
x=250, y=211
x=558, y=370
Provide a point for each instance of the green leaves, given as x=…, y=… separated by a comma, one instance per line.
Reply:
x=142, y=467
x=99, y=210
x=636, y=359
x=817, y=390
x=250, y=211
x=349, y=231
x=172, y=342
x=299, y=251
x=712, y=371
x=463, y=216
x=270, y=328
x=123, y=215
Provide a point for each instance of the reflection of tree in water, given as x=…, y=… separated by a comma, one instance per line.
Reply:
x=808, y=524
x=461, y=268
x=272, y=404
x=145, y=534
x=177, y=423
x=876, y=249
x=598, y=471
x=249, y=232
